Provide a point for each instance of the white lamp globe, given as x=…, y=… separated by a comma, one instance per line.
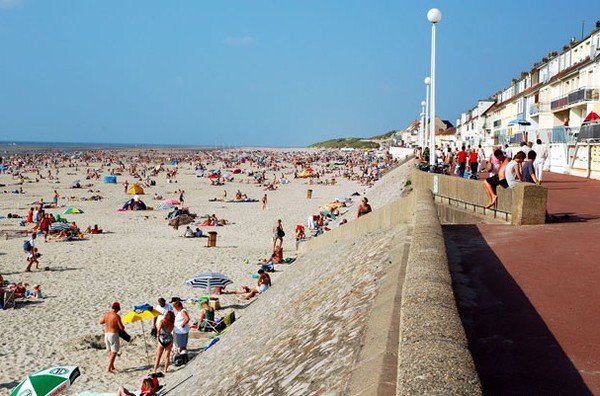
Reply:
x=427, y=80
x=423, y=103
x=434, y=15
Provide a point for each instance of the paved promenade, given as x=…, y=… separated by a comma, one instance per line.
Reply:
x=530, y=296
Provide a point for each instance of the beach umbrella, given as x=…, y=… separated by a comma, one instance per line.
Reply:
x=207, y=280
x=136, y=189
x=50, y=381
x=73, y=210
x=135, y=316
x=592, y=117
x=519, y=121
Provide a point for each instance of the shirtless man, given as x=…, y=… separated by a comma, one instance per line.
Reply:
x=364, y=207
x=112, y=324
x=491, y=183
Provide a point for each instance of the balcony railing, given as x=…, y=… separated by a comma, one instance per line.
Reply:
x=580, y=95
x=558, y=134
x=534, y=110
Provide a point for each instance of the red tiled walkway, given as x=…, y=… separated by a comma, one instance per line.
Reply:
x=529, y=296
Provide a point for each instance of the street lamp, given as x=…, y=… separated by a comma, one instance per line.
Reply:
x=426, y=131
x=434, y=16
x=422, y=126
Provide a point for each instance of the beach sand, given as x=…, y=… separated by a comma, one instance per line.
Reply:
x=139, y=259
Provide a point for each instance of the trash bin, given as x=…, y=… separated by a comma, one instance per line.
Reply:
x=212, y=239
x=309, y=194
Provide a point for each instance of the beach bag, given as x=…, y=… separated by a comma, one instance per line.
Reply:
x=124, y=335
x=180, y=359
x=27, y=246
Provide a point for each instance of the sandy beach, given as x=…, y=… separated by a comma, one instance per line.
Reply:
x=139, y=258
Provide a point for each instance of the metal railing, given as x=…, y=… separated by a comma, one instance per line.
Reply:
x=558, y=134
x=579, y=95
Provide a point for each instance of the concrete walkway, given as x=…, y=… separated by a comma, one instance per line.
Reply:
x=529, y=296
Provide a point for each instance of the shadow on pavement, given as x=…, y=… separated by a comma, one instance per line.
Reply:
x=513, y=349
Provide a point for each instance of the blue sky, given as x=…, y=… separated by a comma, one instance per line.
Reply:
x=257, y=72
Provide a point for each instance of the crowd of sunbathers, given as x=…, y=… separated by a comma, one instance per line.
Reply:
x=10, y=291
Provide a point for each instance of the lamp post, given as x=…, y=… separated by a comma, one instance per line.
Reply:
x=434, y=16
x=422, y=126
x=426, y=123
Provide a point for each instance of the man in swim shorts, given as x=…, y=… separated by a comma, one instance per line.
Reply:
x=112, y=324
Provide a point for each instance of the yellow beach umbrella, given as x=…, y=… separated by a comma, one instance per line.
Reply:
x=134, y=316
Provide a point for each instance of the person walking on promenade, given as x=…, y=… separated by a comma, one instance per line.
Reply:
x=508, y=153
x=473, y=161
x=112, y=325
x=461, y=158
x=480, y=157
x=541, y=155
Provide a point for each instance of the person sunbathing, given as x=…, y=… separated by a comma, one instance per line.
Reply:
x=263, y=283
x=149, y=387
x=35, y=293
x=95, y=230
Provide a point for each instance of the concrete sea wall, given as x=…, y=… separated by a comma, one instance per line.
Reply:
x=367, y=308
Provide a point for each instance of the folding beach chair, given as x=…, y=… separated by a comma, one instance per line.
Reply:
x=211, y=325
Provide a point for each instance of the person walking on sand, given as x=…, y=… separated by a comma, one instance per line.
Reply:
x=181, y=197
x=32, y=253
x=126, y=185
x=264, y=202
x=278, y=234
x=55, y=199
x=112, y=324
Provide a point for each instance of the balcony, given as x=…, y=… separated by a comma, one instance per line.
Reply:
x=534, y=110
x=580, y=95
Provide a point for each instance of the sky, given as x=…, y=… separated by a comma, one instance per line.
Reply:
x=278, y=73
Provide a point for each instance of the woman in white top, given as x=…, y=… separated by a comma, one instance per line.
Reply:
x=182, y=325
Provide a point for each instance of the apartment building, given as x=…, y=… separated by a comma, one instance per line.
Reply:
x=549, y=102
